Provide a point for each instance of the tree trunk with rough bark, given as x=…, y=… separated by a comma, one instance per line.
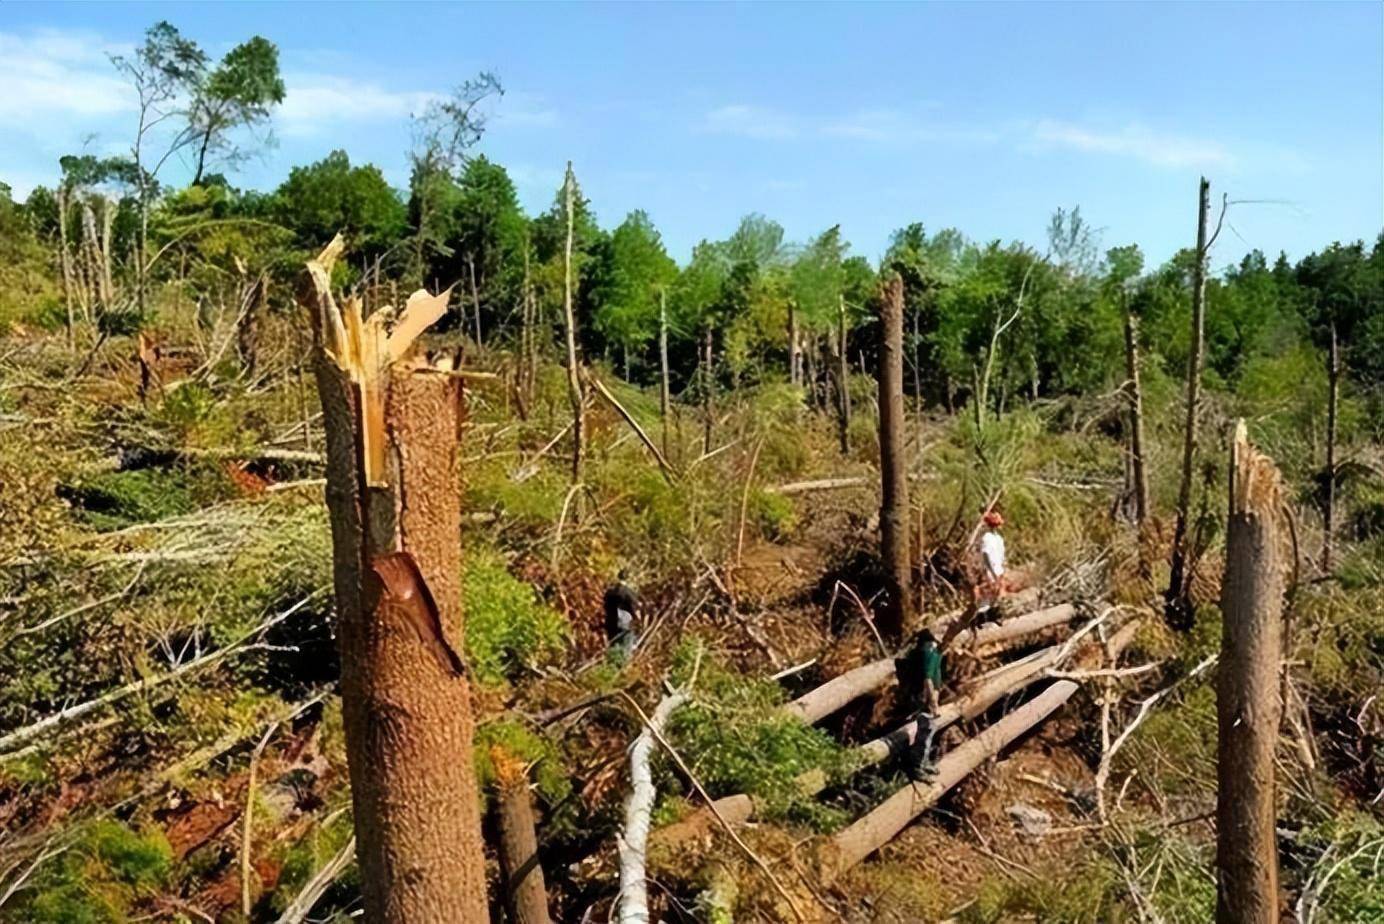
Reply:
x=893, y=515
x=525, y=894
x=1333, y=378
x=1176, y=606
x=574, y=391
x=665, y=397
x=795, y=372
x=1136, y=417
x=708, y=387
x=66, y=256
x=1248, y=704
x=843, y=382
x=391, y=423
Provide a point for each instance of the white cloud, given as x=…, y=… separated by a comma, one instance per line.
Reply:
x=752, y=122
x=1133, y=140
x=312, y=102
x=49, y=74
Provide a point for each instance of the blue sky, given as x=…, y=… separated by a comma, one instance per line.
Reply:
x=982, y=116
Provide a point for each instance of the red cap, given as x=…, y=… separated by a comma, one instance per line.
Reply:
x=993, y=518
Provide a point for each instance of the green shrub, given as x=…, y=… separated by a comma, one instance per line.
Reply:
x=736, y=739
x=774, y=514
x=101, y=878
x=507, y=625
x=110, y=500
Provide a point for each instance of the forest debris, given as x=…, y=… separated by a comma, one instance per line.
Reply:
x=298, y=909
x=822, y=484
x=632, y=841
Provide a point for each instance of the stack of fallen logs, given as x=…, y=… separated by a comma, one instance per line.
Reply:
x=1082, y=646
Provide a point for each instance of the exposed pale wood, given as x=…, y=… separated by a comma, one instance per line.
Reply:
x=1248, y=703
x=632, y=841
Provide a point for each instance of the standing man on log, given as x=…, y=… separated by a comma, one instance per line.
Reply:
x=990, y=588
x=919, y=672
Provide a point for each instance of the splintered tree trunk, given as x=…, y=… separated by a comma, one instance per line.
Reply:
x=573, y=375
x=391, y=423
x=874, y=830
x=708, y=385
x=526, y=897
x=664, y=392
x=1248, y=707
x=1333, y=377
x=843, y=381
x=1136, y=417
x=247, y=333
x=1175, y=604
x=893, y=515
x=475, y=298
x=795, y=373
x=66, y=256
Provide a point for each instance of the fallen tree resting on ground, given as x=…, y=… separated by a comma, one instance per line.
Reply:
x=853, y=844
x=983, y=693
x=632, y=842
x=833, y=695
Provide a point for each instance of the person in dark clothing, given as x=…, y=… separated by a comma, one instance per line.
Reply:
x=621, y=608
x=919, y=673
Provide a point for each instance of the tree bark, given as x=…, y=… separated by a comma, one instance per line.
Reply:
x=1136, y=417
x=874, y=830
x=66, y=255
x=526, y=896
x=1176, y=607
x=843, y=382
x=664, y=391
x=893, y=515
x=708, y=386
x=573, y=377
x=1248, y=707
x=247, y=332
x=475, y=298
x=392, y=495
x=795, y=373
x=1333, y=378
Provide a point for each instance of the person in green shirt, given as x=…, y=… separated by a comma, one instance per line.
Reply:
x=919, y=672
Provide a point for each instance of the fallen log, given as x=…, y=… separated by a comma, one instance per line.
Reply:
x=878, y=827
x=824, y=484
x=818, y=703
x=632, y=842
x=984, y=692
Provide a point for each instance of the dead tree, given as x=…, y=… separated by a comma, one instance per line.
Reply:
x=391, y=423
x=1136, y=417
x=1176, y=606
x=843, y=381
x=574, y=391
x=853, y=844
x=247, y=332
x=665, y=397
x=632, y=841
x=1248, y=704
x=893, y=515
x=525, y=895
x=708, y=389
x=795, y=371
x=1333, y=379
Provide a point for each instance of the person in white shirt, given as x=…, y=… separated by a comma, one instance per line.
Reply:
x=992, y=585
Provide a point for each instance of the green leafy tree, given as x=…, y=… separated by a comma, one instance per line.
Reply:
x=319, y=200
x=239, y=93
x=637, y=270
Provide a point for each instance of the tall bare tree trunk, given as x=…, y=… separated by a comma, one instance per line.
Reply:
x=1136, y=417
x=893, y=515
x=475, y=298
x=525, y=895
x=107, y=232
x=247, y=332
x=1176, y=606
x=843, y=381
x=708, y=385
x=1248, y=707
x=1333, y=378
x=66, y=255
x=795, y=371
x=664, y=392
x=392, y=494
x=574, y=390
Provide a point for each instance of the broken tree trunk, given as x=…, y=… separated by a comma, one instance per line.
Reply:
x=1333, y=378
x=1136, y=416
x=893, y=515
x=881, y=825
x=574, y=392
x=664, y=392
x=1248, y=707
x=1176, y=606
x=843, y=383
x=632, y=842
x=795, y=372
x=391, y=423
x=525, y=895
x=708, y=385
